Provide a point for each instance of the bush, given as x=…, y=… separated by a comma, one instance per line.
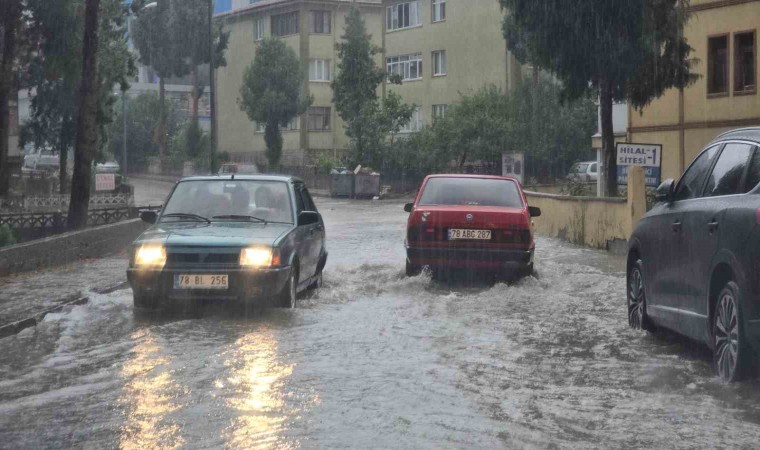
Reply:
x=189, y=144
x=6, y=236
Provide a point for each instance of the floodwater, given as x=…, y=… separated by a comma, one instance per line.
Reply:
x=376, y=360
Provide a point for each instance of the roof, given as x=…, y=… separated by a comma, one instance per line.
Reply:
x=285, y=178
x=267, y=3
x=748, y=133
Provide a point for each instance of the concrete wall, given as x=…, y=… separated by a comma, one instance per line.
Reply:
x=69, y=247
x=595, y=222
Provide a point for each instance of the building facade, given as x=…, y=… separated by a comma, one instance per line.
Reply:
x=442, y=49
x=724, y=37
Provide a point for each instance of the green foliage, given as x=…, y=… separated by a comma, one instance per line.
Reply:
x=189, y=26
x=272, y=92
x=143, y=113
x=56, y=69
x=189, y=144
x=369, y=122
x=6, y=236
x=154, y=38
x=531, y=119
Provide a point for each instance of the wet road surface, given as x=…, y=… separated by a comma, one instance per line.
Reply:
x=376, y=360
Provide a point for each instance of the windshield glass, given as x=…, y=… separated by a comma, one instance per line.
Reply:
x=267, y=200
x=471, y=191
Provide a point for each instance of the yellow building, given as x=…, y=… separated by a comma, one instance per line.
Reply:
x=723, y=34
x=441, y=48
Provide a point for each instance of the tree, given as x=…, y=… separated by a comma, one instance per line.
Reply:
x=56, y=69
x=190, y=28
x=143, y=113
x=87, y=120
x=355, y=86
x=624, y=49
x=158, y=48
x=10, y=25
x=272, y=92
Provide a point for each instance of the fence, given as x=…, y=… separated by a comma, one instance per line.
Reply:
x=53, y=203
x=37, y=225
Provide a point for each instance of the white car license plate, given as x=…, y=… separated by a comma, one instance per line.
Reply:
x=198, y=281
x=475, y=235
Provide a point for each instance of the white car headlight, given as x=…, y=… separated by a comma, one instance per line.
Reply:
x=257, y=257
x=150, y=256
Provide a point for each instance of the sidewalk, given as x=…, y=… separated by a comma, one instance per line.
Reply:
x=30, y=295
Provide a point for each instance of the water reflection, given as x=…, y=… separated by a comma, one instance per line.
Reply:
x=147, y=397
x=258, y=383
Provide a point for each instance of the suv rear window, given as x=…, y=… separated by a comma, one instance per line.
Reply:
x=472, y=192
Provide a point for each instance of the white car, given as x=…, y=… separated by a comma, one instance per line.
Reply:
x=42, y=159
x=585, y=171
x=239, y=169
x=108, y=167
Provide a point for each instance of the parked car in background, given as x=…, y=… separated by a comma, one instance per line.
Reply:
x=42, y=159
x=108, y=167
x=470, y=221
x=694, y=258
x=584, y=171
x=252, y=240
x=241, y=169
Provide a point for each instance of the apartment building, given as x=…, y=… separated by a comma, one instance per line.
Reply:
x=442, y=49
x=723, y=34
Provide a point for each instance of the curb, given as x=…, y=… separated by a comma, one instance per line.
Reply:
x=20, y=325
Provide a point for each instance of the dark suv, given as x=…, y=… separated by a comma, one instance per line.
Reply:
x=694, y=258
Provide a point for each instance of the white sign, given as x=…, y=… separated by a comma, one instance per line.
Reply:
x=513, y=165
x=644, y=155
x=105, y=182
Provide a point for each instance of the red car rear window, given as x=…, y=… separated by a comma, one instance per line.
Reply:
x=472, y=192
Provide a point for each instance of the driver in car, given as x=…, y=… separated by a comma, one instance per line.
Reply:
x=268, y=208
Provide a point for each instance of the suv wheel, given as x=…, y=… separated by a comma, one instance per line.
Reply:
x=731, y=354
x=637, y=299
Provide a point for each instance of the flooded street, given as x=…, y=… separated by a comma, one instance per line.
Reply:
x=376, y=360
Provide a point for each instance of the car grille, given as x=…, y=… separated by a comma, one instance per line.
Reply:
x=202, y=259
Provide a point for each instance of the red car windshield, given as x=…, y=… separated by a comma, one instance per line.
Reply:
x=472, y=192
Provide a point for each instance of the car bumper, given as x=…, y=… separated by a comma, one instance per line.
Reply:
x=244, y=285
x=483, y=258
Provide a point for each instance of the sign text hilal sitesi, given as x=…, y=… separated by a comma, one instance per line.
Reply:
x=648, y=156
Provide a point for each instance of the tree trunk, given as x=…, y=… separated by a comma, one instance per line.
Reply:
x=87, y=127
x=273, y=140
x=9, y=13
x=195, y=93
x=161, y=138
x=609, y=159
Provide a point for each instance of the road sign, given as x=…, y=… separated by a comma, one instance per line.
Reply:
x=105, y=182
x=513, y=165
x=648, y=156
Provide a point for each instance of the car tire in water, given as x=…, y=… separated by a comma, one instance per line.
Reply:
x=732, y=355
x=289, y=293
x=317, y=283
x=412, y=270
x=637, y=299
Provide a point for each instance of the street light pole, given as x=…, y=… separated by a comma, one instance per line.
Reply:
x=211, y=87
x=124, y=140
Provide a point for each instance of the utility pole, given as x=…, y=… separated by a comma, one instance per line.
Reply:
x=212, y=88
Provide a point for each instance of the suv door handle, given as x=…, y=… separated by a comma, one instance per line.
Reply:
x=677, y=226
x=712, y=226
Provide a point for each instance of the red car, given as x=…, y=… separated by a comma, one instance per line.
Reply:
x=470, y=221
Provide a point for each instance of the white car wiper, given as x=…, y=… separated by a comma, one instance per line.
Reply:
x=240, y=217
x=187, y=216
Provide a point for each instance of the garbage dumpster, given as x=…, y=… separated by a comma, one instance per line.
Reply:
x=341, y=183
x=367, y=185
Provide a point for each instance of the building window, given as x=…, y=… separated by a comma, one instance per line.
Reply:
x=717, y=65
x=318, y=118
x=320, y=22
x=258, y=29
x=744, y=62
x=285, y=24
x=416, y=124
x=403, y=15
x=408, y=67
x=439, y=63
x=293, y=125
x=439, y=111
x=439, y=10
x=319, y=70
